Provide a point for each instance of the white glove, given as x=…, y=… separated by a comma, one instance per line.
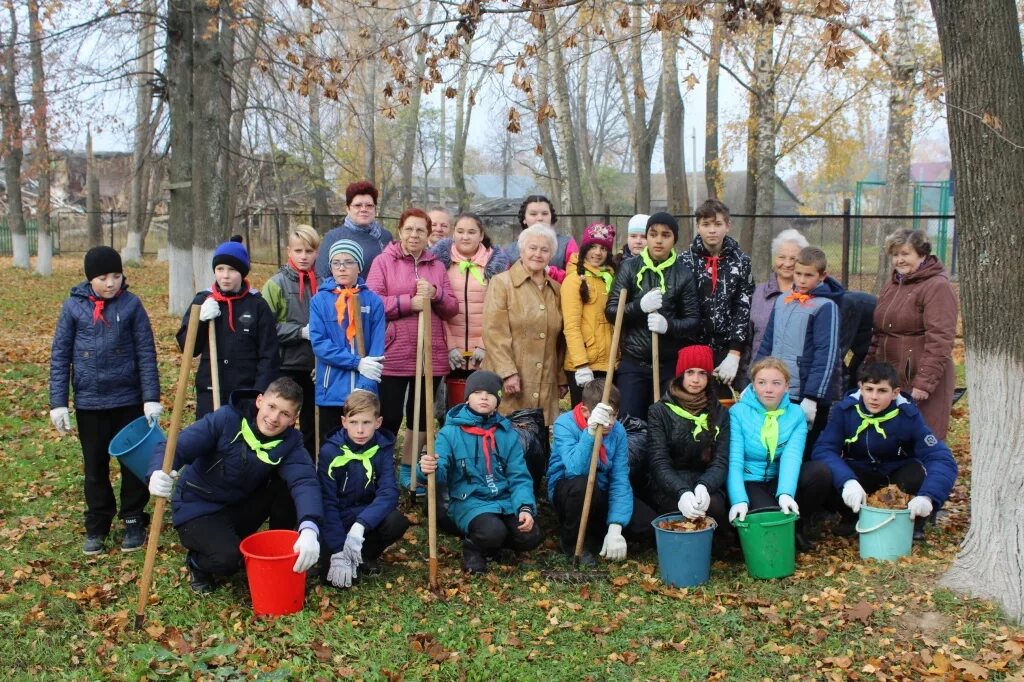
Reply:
x=657, y=323
x=353, y=550
x=738, y=512
x=854, y=495
x=726, y=371
x=651, y=301
x=788, y=505
x=61, y=418
x=478, y=356
x=152, y=410
x=341, y=572
x=703, y=498
x=308, y=547
x=584, y=375
x=161, y=484
x=601, y=415
x=209, y=310
x=304, y=332
x=614, y=547
x=688, y=506
x=920, y=507
x=455, y=359
x=371, y=367
x=810, y=409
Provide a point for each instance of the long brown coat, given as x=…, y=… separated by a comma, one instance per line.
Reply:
x=915, y=324
x=522, y=327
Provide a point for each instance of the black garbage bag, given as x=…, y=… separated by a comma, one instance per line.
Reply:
x=533, y=435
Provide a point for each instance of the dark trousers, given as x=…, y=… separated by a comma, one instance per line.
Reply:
x=330, y=419
x=568, y=503
x=204, y=403
x=397, y=395
x=375, y=541
x=490, y=532
x=307, y=417
x=96, y=428
x=812, y=489
x=212, y=540
x=908, y=478
x=820, y=421
x=635, y=380
x=575, y=390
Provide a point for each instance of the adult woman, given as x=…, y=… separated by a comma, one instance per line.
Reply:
x=471, y=262
x=537, y=209
x=588, y=334
x=360, y=226
x=915, y=324
x=785, y=248
x=404, y=276
x=522, y=326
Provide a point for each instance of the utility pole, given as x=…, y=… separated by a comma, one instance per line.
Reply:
x=444, y=149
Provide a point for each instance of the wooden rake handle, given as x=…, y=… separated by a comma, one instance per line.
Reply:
x=428, y=388
x=214, y=363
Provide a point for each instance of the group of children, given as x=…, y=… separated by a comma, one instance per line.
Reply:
x=299, y=343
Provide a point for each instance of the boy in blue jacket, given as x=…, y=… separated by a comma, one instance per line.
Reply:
x=612, y=507
x=478, y=455
x=230, y=467
x=103, y=347
x=875, y=437
x=357, y=481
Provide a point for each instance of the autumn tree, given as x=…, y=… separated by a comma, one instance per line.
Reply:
x=11, y=146
x=41, y=139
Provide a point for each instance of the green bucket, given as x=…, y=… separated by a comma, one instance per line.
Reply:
x=767, y=539
x=885, y=534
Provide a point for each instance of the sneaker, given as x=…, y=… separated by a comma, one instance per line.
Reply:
x=200, y=581
x=473, y=560
x=134, y=535
x=94, y=544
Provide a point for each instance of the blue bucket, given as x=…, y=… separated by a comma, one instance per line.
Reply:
x=885, y=534
x=133, y=446
x=684, y=558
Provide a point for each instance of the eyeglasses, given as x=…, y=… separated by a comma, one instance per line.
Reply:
x=344, y=264
x=360, y=207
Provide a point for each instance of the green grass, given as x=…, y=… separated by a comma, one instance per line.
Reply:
x=64, y=615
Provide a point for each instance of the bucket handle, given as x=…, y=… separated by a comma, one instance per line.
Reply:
x=892, y=517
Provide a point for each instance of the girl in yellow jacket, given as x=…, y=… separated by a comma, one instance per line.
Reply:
x=588, y=334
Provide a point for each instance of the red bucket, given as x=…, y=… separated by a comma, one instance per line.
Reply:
x=456, y=390
x=275, y=588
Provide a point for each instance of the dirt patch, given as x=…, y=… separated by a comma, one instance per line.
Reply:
x=930, y=623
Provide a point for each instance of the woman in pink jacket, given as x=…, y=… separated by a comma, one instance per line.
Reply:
x=404, y=275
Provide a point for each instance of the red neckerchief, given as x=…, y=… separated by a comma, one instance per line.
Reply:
x=711, y=264
x=581, y=421
x=304, y=275
x=489, y=442
x=347, y=301
x=794, y=296
x=216, y=294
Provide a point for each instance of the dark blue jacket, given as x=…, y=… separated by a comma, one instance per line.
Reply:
x=216, y=469
x=111, y=364
x=348, y=497
x=907, y=438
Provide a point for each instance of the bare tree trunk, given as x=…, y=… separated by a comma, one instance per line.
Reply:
x=92, y=196
x=40, y=123
x=181, y=284
x=672, y=147
x=585, y=146
x=646, y=131
x=412, y=113
x=765, y=78
x=369, y=121
x=143, y=134
x=981, y=54
x=566, y=134
x=11, y=146
x=750, y=187
x=712, y=167
x=250, y=41
x=461, y=137
x=547, y=142
x=316, y=144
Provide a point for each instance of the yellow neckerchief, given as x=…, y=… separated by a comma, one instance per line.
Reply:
x=473, y=269
x=602, y=274
x=261, y=449
x=700, y=421
x=867, y=420
x=659, y=270
x=770, y=432
x=347, y=456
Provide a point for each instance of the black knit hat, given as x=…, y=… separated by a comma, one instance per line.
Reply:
x=232, y=253
x=100, y=260
x=482, y=380
x=665, y=219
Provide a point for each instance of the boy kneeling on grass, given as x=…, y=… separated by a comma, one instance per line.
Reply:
x=479, y=456
x=230, y=467
x=360, y=494
x=875, y=437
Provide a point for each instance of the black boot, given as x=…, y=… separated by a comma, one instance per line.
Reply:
x=919, y=528
x=802, y=543
x=201, y=581
x=473, y=560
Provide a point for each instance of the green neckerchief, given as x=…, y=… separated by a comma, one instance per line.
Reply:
x=603, y=274
x=473, y=268
x=347, y=456
x=867, y=420
x=700, y=421
x=261, y=449
x=770, y=432
x=659, y=270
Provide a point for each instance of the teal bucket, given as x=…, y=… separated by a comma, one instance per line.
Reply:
x=885, y=534
x=684, y=558
x=133, y=446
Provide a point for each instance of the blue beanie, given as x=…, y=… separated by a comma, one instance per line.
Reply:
x=232, y=253
x=348, y=246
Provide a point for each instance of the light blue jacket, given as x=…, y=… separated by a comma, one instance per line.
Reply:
x=748, y=458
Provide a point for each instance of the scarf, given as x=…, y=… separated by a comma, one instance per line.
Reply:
x=711, y=265
x=373, y=229
x=700, y=421
x=581, y=421
x=347, y=456
x=867, y=420
x=659, y=270
x=346, y=302
x=604, y=275
x=261, y=449
x=794, y=296
x=97, y=310
x=220, y=297
x=770, y=431
x=489, y=442
x=472, y=268
x=303, y=276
